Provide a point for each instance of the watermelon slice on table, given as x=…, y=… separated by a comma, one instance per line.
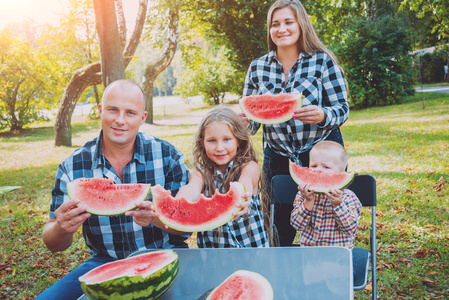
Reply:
x=243, y=285
x=319, y=181
x=102, y=197
x=271, y=109
x=143, y=276
x=205, y=214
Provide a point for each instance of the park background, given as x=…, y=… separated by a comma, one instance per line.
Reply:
x=191, y=55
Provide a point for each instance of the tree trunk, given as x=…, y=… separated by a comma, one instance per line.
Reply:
x=154, y=69
x=148, y=91
x=84, y=77
x=447, y=64
x=111, y=50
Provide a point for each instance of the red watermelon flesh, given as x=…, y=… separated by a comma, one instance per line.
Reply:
x=102, y=197
x=320, y=181
x=271, y=109
x=243, y=285
x=204, y=214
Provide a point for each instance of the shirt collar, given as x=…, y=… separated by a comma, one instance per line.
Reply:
x=98, y=157
x=273, y=57
x=222, y=176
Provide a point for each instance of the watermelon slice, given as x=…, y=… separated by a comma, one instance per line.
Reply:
x=319, y=181
x=204, y=214
x=271, y=109
x=102, y=197
x=243, y=285
x=144, y=276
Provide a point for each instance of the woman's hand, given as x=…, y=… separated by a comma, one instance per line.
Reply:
x=245, y=120
x=310, y=114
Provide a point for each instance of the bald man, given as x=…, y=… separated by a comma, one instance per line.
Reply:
x=123, y=154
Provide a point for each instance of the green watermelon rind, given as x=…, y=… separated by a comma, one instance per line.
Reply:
x=271, y=121
x=134, y=287
x=72, y=185
x=316, y=188
x=267, y=292
x=236, y=188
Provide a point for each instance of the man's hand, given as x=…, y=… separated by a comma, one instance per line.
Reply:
x=145, y=215
x=70, y=217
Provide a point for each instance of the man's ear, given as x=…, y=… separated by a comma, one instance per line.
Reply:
x=144, y=117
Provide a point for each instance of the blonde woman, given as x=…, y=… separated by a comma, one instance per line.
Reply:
x=298, y=62
x=223, y=153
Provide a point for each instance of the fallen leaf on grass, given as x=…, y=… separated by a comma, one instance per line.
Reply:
x=369, y=286
x=428, y=282
x=388, y=265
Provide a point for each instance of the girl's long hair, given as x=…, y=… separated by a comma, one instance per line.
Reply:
x=308, y=41
x=245, y=152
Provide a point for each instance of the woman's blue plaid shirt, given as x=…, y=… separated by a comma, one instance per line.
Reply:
x=321, y=82
x=155, y=161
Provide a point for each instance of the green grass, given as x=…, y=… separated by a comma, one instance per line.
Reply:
x=405, y=147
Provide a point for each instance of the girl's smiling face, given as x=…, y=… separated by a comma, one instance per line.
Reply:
x=284, y=28
x=220, y=144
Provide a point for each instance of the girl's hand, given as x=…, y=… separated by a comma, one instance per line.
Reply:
x=310, y=114
x=335, y=196
x=145, y=215
x=245, y=206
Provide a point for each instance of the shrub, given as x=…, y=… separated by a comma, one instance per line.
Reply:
x=374, y=55
x=431, y=65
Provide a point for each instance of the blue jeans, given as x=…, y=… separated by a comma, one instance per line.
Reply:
x=69, y=287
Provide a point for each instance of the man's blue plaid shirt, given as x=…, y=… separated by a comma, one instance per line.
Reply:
x=155, y=161
x=321, y=82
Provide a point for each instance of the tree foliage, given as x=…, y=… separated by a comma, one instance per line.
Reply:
x=375, y=56
x=208, y=72
x=240, y=25
x=29, y=77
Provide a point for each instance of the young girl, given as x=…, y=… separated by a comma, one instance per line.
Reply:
x=223, y=153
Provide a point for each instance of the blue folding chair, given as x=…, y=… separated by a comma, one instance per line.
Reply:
x=283, y=192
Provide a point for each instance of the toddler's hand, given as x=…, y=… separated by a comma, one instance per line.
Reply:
x=309, y=195
x=335, y=196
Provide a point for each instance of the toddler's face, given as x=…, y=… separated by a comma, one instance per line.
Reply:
x=325, y=161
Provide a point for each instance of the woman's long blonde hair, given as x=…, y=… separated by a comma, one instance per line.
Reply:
x=245, y=152
x=308, y=41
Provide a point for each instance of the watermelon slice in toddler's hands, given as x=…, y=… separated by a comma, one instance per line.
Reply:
x=319, y=181
x=271, y=109
x=204, y=214
x=102, y=197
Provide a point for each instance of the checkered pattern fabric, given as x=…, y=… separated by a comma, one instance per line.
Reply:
x=326, y=225
x=155, y=161
x=245, y=231
x=321, y=82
